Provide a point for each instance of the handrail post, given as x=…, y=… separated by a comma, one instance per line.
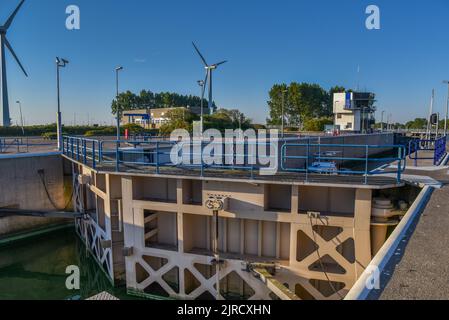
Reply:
x=399, y=165
x=416, y=153
x=94, y=165
x=436, y=152
x=201, y=157
x=307, y=160
x=100, y=151
x=78, y=149
x=71, y=148
x=157, y=157
x=366, y=163
x=85, y=152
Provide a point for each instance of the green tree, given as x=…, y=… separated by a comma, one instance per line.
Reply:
x=277, y=94
x=302, y=101
x=418, y=123
x=125, y=101
x=180, y=118
x=149, y=100
x=317, y=124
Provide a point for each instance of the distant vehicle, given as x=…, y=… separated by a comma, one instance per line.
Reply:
x=332, y=130
x=325, y=164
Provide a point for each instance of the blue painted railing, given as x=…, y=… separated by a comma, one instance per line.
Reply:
x=369, y=162
x=440, y=150
x=17, y=143
x=364, y=160
x=438, y=147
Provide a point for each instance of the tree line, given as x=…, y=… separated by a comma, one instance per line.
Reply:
x=147, y=99
x=221, y=120
x=302, y=103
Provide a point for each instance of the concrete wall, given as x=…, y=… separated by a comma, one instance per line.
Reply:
x=21, y=188
x=262, y=222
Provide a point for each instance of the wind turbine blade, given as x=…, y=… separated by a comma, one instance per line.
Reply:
x=8, y=45
x=220, y=63
x=13, y=15
x=199, y=53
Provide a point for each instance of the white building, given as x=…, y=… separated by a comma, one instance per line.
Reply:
x=354, y=111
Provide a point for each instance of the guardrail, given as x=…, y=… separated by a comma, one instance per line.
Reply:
x=438, y=147
x=8, y=143
x=82, y=150
x=155, y=154
x=366, y=165
x=363, y=160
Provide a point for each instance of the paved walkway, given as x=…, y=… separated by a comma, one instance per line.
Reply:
x=420, y=267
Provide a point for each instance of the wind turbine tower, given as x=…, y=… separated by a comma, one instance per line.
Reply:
x=209, y=73
x=3, y=45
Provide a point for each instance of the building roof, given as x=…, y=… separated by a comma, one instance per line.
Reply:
x=162, y=111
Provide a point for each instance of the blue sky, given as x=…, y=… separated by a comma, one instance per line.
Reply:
x=266, y=42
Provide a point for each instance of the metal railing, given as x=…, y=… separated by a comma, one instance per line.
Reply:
x=82, y=150
x=367, y=164
x=157, y=153
x=438, y=147
x=361, y=160
x=21, y=144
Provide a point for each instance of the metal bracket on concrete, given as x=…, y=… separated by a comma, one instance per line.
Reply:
x=265, y=272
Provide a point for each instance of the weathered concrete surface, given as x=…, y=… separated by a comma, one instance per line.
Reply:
x=21, y=187
x=420, y=270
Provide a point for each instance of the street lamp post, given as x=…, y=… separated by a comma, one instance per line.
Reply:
x=382, y=121
x=21, y=117
x=283, y=114
x=60, y=63
x=117, y=70
x=117, y=145
x=202, y=85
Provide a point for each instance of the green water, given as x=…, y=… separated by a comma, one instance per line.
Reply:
x=34, y=269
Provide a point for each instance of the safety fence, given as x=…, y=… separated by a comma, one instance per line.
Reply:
x=345, y=159
x=253, y=157
x=22, y=144
x=419, y=149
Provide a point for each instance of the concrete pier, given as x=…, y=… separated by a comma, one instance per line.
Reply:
x=154, y=229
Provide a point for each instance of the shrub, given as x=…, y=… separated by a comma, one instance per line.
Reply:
x=317, y=124
x=259, y=126
x=50, y=135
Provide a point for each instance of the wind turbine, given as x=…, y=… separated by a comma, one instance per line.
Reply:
x=209, y=72
x=5, y=43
